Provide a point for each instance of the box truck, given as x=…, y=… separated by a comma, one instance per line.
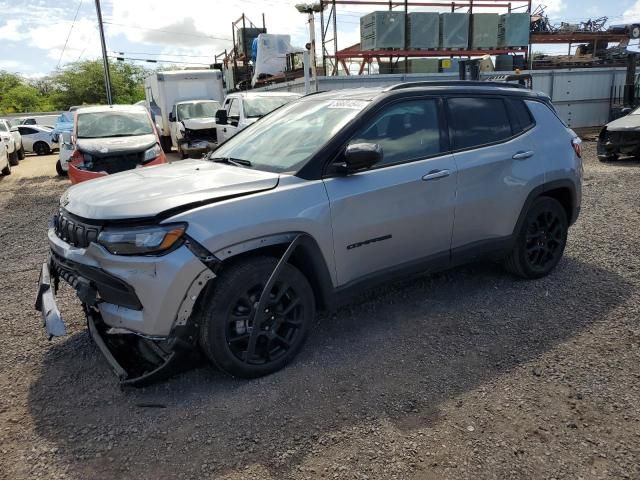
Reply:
x=164, y=90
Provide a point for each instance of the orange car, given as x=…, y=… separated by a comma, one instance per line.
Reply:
x=112, y=139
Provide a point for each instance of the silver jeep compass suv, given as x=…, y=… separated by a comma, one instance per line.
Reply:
x=233, y=254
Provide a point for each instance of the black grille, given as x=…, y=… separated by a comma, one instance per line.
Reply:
x=113, y=163
x=73, y=232
x=210, y=134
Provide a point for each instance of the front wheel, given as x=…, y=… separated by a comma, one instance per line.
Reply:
x=166, y=144
x=21, y=153
x=6, y=170
x=540, y=243
x=59, y=170
x=231, y=336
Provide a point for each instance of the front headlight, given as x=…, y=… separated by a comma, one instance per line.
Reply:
x=144, y=240
x=151, y=154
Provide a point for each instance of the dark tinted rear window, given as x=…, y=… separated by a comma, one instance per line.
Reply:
x=520, y=114
x=478, y=121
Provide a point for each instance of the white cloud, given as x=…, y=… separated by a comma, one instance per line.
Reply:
x=11, y=31
x=632, y=14
x=11, y=65
x=552, y=7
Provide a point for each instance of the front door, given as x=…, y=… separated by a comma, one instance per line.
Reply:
x=401, y=210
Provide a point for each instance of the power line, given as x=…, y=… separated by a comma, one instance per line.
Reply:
x=69, y=34
x=169, y=31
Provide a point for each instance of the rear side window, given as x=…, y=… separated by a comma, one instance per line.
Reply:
x=520, y=115
x=478, y=121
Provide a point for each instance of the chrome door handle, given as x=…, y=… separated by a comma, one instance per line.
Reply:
x=436, y=174
x=523, y=155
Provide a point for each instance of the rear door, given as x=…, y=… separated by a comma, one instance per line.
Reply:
x=401, y=210
x=497, y=167
x=28, y=137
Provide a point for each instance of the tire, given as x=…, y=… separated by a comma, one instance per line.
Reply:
x=6, y=170
x=181, y=153
x=541, y=240
x=166, y=144
x=13, y=158
x=634, y=31
x=41, y=148
x=21, y=153
x=234, y=295
x=59, y=170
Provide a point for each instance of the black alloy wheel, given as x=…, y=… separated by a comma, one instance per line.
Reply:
x=41, y=148
x=540, y=243
x=238, y=339
x=544, y=240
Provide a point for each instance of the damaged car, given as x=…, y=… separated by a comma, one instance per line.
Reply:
x=193, y=127
x=620, y=137
x=232, y=255
x=112, y=139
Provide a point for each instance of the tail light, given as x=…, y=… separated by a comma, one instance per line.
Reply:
x=576, y=143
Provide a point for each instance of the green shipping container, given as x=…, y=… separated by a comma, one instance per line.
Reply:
x=484, y=30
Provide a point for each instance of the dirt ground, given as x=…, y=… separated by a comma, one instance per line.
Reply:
x=467, y=374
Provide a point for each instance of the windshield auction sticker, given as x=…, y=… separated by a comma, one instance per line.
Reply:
x=348, y=104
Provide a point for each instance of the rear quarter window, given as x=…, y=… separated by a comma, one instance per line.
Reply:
x=521, y=117
x=476, y=121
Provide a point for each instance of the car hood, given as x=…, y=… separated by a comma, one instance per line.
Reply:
x=628, y=122
x=150, y=191
x=102, y=146
x=199, y=123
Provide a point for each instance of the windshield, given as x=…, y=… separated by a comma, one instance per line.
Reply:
x=197, y=110
x=113, y=124
x=260, y=106
x=286, y=139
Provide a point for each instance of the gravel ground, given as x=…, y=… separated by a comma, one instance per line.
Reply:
x=467, y=374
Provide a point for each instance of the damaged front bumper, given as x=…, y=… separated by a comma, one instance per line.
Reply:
x=138, y=309
x=615, y=143
x=197, y=148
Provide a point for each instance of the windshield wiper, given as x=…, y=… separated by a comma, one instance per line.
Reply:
x=238, y=162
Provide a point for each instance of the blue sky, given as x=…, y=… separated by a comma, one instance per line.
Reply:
x=33, y=33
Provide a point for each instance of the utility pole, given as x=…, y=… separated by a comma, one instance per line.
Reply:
x=311, y=9
x=105, y=60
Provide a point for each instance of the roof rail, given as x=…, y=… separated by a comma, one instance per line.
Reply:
x=447, y=83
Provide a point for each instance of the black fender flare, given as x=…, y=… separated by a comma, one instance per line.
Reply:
x=541, y=190
x=307, y=257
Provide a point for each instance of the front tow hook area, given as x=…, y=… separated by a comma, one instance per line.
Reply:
x=46, y=305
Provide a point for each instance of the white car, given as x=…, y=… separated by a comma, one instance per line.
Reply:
x=13, y=141
x=37, y=139
x=244, y=108
x=5, y=165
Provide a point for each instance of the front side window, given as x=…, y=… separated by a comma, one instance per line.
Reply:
x=113, y=124
x=406, y=131
x=477, y=121
x=260, y=106
x=234, y=109
x=286, y=139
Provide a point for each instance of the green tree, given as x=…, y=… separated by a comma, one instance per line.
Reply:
x=21, y=98
x=83, y=83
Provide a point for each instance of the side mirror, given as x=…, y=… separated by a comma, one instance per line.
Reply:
x=221, y=117
x=14, y=129
x=172, y=117
x=626, y=111
x=360, y=156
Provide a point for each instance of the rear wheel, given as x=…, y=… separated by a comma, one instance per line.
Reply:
x=41, y=148
x=13, y=158
x=229, y=333
x=21, y=154
x=541, y=240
